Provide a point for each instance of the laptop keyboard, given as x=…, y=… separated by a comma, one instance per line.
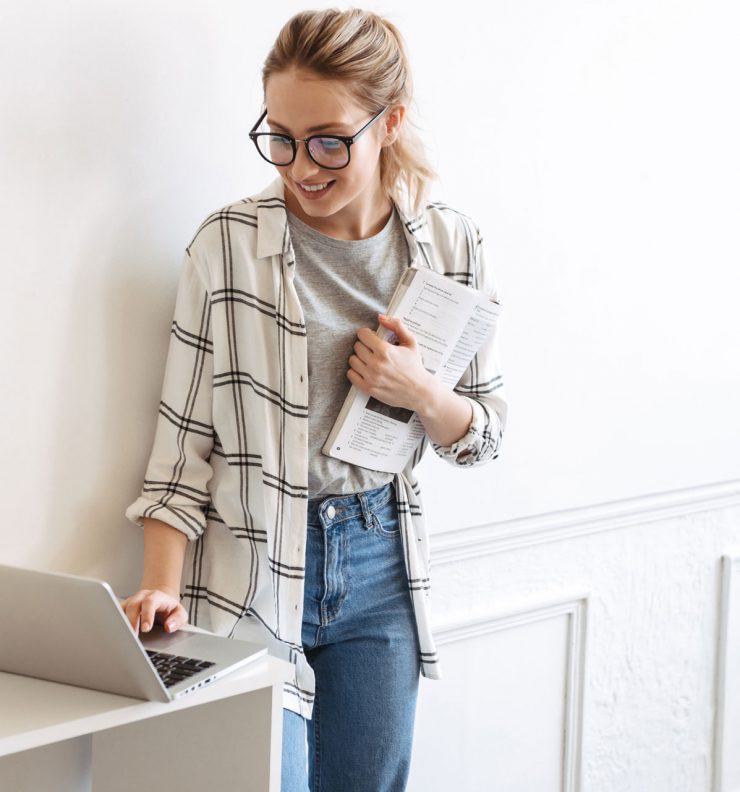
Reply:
x=174, y=668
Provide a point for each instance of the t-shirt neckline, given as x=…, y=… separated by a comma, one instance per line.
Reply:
x=317, y=237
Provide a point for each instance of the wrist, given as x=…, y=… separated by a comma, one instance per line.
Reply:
x=155, y=585
x=447, y=417
x=430, y=395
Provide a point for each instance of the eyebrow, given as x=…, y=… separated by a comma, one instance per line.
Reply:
x=334, y=125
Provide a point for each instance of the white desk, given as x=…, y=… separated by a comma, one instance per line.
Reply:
x=224, y=737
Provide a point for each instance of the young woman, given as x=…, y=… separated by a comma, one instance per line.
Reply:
x=325, y=562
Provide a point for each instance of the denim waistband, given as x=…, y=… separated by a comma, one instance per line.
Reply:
x=342, y=507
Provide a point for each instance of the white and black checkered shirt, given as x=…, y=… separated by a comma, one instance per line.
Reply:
x=229, y=462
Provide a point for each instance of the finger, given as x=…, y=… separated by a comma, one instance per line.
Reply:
x=131, y=609
x=356, y=364
x=357, y=381
x=165, y=609
x=178, y=618
x=362, y=351
x=370, y=339
x=405, y=336
x=154, y=602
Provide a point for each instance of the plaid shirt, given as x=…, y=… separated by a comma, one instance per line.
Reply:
x=229, y=461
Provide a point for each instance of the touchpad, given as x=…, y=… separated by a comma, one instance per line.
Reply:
x=159, y=640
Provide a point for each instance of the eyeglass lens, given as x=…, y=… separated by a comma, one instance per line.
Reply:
x=326, y=151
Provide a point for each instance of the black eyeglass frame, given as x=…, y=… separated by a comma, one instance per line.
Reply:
x=346, y=139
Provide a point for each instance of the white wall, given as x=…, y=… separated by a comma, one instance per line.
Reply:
x=606, y=189
x=608, y=197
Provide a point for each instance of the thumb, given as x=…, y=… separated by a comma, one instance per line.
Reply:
x=405, y=337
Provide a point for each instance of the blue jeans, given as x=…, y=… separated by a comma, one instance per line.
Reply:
x=360, y=638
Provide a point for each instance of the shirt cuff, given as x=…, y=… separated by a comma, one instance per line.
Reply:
x=188, y=519
x=466, y=450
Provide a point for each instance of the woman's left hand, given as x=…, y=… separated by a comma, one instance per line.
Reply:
x=391, y=373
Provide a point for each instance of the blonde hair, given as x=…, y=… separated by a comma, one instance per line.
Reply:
x=367, y=54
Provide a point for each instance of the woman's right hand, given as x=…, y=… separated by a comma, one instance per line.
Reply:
x=149, y=605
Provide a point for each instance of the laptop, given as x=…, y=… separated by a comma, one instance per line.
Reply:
x=72, y=629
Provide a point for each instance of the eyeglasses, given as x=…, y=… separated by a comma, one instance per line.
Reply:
x=327, y=151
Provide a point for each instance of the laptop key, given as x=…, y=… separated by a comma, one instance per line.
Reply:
x=176, y=668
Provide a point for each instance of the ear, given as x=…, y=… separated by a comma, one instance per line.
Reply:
x=393, y=120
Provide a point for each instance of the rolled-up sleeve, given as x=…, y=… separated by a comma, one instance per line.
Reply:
x=481, y=383
x=175, y=488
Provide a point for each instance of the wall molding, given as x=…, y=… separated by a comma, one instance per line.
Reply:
x=726, y=768
x=574, y=605
x=458, y=544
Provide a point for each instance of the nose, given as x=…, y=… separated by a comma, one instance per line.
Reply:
x=302, y=167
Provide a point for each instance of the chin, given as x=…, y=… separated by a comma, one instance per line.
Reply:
x=313, y=208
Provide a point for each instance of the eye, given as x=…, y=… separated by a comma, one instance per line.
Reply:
x=279, y=140
x=330, y=144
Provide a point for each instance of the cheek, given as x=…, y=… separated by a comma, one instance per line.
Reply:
x=359, y=171
x=366, y=160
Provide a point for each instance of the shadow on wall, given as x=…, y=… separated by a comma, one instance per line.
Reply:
x=106, y=401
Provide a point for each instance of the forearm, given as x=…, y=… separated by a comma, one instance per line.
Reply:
x=164, y=553
x=446, y=415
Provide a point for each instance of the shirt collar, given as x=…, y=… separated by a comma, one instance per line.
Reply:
x=272, y=227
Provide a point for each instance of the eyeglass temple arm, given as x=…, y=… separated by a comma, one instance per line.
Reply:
x=259, y=121
x=369, y=123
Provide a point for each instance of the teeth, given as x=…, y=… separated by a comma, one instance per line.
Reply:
x=314, y=187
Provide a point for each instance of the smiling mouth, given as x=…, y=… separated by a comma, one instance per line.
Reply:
x=315, y=189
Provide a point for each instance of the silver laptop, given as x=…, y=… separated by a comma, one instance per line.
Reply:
x=72, y=629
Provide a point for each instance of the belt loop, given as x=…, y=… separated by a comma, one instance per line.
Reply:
x=367, y=514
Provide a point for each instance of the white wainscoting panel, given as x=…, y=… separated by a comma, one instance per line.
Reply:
x=518, y=674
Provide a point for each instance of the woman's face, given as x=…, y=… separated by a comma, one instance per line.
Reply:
x=301, y=105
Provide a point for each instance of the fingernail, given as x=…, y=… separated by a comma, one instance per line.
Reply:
x=171, y=626
x=145, y=626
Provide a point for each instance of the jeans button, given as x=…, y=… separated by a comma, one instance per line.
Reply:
x=331, y=512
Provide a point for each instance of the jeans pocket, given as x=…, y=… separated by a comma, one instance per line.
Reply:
x=385, y=520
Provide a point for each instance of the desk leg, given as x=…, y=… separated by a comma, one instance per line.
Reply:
x=230, y=745
x=63, y=765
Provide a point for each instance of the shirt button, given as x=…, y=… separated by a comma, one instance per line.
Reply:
x=331, y=512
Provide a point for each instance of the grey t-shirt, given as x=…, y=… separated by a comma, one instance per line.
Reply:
x=342, y=285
